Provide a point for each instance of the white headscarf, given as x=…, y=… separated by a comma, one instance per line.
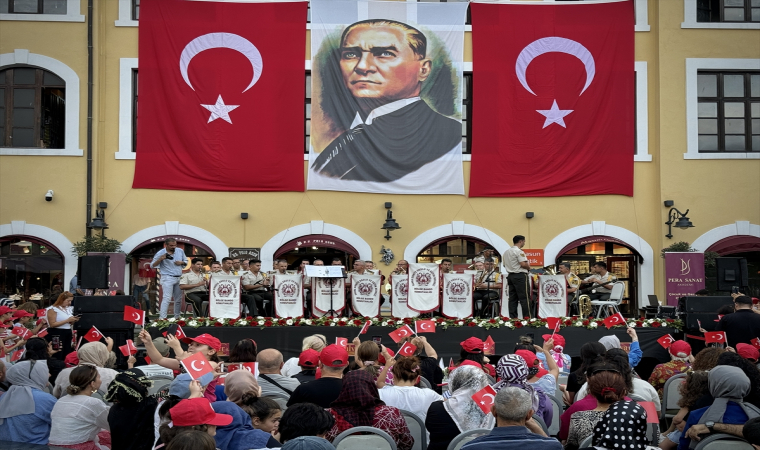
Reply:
x=464, y=382
x=610, y=341
x=24, y=377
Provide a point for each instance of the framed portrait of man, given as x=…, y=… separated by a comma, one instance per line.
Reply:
x=386, y=109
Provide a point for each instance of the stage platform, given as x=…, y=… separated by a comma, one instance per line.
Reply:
x=445, y=341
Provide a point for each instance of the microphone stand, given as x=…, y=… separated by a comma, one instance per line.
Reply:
x=331, y=311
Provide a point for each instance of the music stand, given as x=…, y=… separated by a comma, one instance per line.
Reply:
x=329, y=274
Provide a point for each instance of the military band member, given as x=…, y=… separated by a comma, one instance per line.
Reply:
x=517, y=267
x=227, y=268
x=447, y=266
x=193, y=284
x=245, y=265
x=360, y=268
x=402, y=268
x=487, y=286
x=336, y=262
x=319, y=262
x=256, y=285
x=236, y=269
x=601, y=282
x=573, y=281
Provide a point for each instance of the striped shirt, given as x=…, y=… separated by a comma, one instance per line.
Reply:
x=512, y=438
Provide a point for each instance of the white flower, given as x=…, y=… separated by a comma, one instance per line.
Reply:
x=335, y=320
x=172, y=320
x=524, y=322
x=508, y=324
x=302, y=320
x=193, y=323
x=261, y=322
x=644, y=324
x=501, y=322
x=259, y=317
x=631, y=324
x=153, y=324
x=399, y=322
x=460, y=323
x=242, y=323
x=481, y=324
x=593, y=325
x=344, y=319
x=308, y=321
x=532, y=320
x=332, y=324
x=289, y=322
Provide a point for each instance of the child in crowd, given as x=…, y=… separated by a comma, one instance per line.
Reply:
x=562, y=359
x=265, y=413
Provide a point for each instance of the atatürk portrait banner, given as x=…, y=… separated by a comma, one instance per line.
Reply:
x=386, y=97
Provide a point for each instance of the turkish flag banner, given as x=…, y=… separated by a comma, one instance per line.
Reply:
x=252, y=367
x=341, y=341
x=666, y=341
x=134, y=315
x=93, y=335
x=129, y=348
x=489, y=346
x=42, y=333
x=558, y=103
x=365, y=328
x=196, y=365
x=22, y=332
x=616, y=319
x=484, y=398
x=400, y=333
x=715, y=337
x=406, y=350
x=424, y=326
x=755, y=342
x=222, y=90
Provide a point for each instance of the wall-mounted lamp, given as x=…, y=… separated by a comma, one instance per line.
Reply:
x=99, y=222
x=390, y=222
x=683, y=222
x=529, y=215
x=244, y=216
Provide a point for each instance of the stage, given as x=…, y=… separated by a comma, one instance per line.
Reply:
x=445, y=341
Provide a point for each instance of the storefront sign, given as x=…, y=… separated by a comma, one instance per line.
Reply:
x=684, y=275
x=245, y=253
x=535, y=256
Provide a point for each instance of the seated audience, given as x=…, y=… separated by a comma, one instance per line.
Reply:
x=459, y=413
x=538, y=376
x=680, y=362
x=325, y=390
x=748, y=352
x=623, y=426
x=25, y=408
x=270, y=379
x=305, y=419
x=428, y=357
x=368, y=358
x=244, y=351
x=472, y=350
x=79, y=418
x=240, y=433
x=607, y=388
x=308, y=443
x=590, y=352
x=634, y=353
x=513, y=372
x=192, y=440
x=193, y=414
x=750, y=370
x=359, y=405
x=308, y=362
x=39, y=349
x=4, y=384
x=515, y=427
x=265, y=414
x=563, y=360
x=131, y=418
x=94, y=354
x=315, y=342
x=641, y=390
x=154, y=369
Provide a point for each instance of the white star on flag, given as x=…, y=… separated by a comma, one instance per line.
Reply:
x=554, y=115
x=221, y=111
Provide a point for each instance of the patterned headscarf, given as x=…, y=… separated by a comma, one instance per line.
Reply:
x=623, y=427
x=131, y=416
x=513, y=371
x=358, y=399
x=129, y=387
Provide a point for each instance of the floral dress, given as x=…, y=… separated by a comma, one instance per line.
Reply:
x=663, y=372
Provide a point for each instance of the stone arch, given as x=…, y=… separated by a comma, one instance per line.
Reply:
x=55, y=238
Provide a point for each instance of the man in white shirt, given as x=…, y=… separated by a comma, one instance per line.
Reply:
x=517, y=266
x=169, y=261
x=193, y=284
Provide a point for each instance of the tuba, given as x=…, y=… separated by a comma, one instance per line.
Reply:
x=584, y=305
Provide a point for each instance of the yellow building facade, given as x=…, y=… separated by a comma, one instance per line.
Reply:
x=677, y=52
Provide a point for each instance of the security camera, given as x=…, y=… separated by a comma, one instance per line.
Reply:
x=49, y=196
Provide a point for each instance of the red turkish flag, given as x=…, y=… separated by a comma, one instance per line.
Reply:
x=134, y=315
x=553, y=323
x=343, y=342
x=93, y=335
x=252, y=367
x=424, y=326
x=41, y=312
x=129, y=348
x=222, y=88
x=484, y=398
x=720, y=316
x=666, y=341
x=22, y=332
x=613, y=320
x=489, y=346
x=718, y=337
x=42, y=333
x=400, y=333
x=406, y=350
x=755, y=342
x=196, y=365
x=365, y=327
x=558, y=100
x=179, y=334
x=17, y=354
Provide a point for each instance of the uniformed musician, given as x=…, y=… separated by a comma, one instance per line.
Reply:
x=256, y=284
x=487, y=286
x=402, y=268
x=360, y=268
x=517, y=267
x=601, y=282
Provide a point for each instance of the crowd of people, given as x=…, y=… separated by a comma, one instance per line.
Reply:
x=79, y=400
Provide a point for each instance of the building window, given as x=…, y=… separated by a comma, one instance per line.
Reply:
x=467, y=114
x=308, y=111
x=134, y=109
x=728, y=111
x=33, y=6
x=728, y=10
x=135, y=9
x=32, y=108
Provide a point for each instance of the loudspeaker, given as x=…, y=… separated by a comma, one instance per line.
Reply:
x=96, y=304
x=103, y=321
x=93, y=272
x=731, y=272
x=708, y=321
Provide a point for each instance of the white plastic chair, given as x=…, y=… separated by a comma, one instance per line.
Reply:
x=616, y=297
x=425, y=383
x=586, y=443
x=722, y=441
x=417, y=428
x=557, y=409
x=376, y=440
x=541, y=422
x=466, y=437
x=671, y=395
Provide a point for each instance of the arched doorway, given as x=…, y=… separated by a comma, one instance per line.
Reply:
x=740, y=239
x=316, y=246
x=459, y=249
x=30, y=266
x=452, y=231
x=621, y=259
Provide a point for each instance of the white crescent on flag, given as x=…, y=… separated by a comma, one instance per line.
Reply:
x=192, y=365
x=486, y=396
x=136, y=316
x=422, y=326
x=221, y=40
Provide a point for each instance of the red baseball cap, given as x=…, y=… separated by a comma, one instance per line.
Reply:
x=680, y=349
x=72, y=359
x=205, y=339
x=197, y=411
x=381, y=358
x=469, y=362
x=532, y=361
x=472, y=345
x=558, y=339
x=308, y=358
x=5, y=310
x=21, y=313
x=334, y=356
x=747, y=351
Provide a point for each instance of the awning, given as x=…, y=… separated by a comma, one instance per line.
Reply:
x=317, y=240
x=735, y=244
x=180, y=240
x=591, y=240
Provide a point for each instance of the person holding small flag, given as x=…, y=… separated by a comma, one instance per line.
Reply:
x=513, y=372
x=680, y=362
x=741, y=326
x=428, y=357
x=634, y=353
x=93, y=354
x=563, y=360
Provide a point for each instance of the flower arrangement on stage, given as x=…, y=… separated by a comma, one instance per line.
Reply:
x=498, y=322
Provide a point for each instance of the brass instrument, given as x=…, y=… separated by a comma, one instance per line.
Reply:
x=584, y=305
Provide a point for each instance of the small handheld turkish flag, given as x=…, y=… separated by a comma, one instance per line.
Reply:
x=134, y=315
x=17, y=354
x=93, y=335
x=406, y=350
x=343, y=342
x=179, y=334
x=424, y=326
x=613, y=320
x=401, y=333
x=252, y=367
x=720, y=316
x=41, y=312
x=365, y=328
x=489, y=346
x=196, y=365
x=717, y=337
x=484, y=398
x=22, y=332
x=666, y=341
x=552, y=323
x=42, y=333
x=451, y=364
x=755, y=342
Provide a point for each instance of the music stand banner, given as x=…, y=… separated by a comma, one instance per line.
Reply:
x=400, y=297
x=288, y=295
x=423, y=287
x=320, y=294
x=552, y=296
x=456, y=300
x=365, y=294
x=224, y=296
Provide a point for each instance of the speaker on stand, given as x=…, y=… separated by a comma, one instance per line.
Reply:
x=93, y=271
x=106, y=313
